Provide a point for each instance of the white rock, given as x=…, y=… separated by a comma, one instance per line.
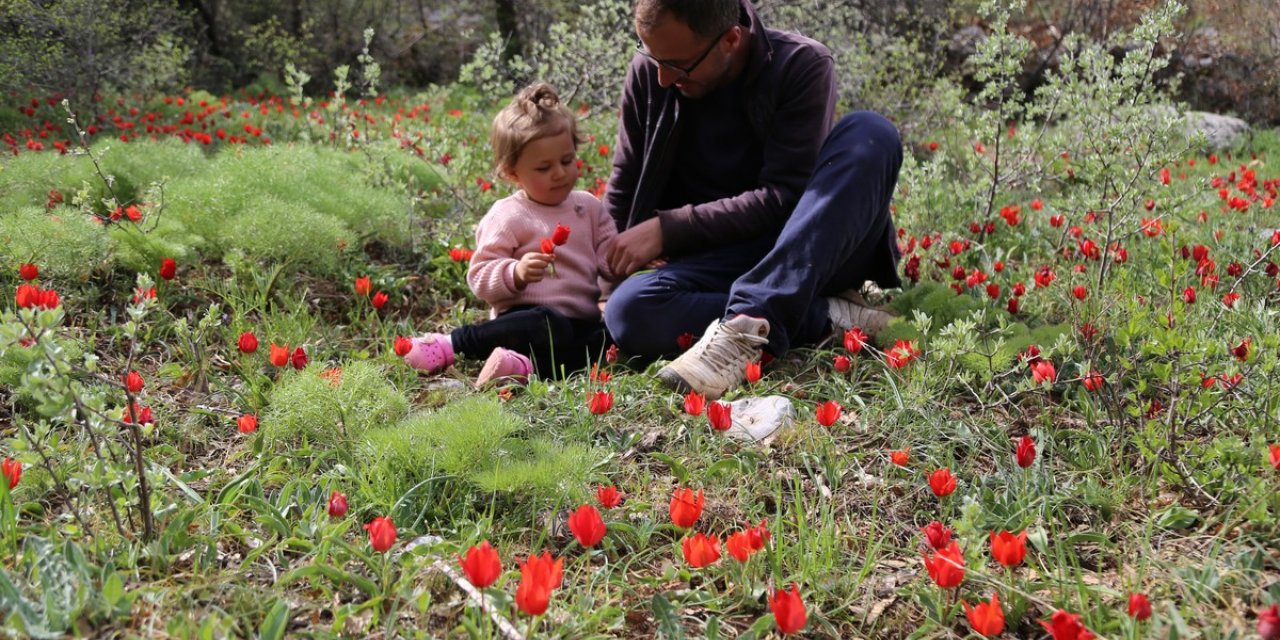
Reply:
x=760, y=419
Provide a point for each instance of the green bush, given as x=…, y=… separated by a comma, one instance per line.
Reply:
x=478, y=441
x=272, y=229
x=307, y=405
x=27, y=179
x=63, y=242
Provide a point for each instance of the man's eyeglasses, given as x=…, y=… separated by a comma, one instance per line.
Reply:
x=683, y=72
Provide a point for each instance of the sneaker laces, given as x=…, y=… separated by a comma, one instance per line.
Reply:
x=728, y=349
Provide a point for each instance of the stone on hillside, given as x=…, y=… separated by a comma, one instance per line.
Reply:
x=1221, y=132
x=760, y=419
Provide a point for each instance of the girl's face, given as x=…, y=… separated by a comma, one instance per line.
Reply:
x=547, y=169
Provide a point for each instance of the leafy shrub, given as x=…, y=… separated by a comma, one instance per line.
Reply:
x=275, y=230
x=307, y=405
x=27, y=179
x=477, y=440
x=63, y=241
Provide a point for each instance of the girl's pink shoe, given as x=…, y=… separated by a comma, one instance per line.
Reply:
x=431, y=353
x=505, y=364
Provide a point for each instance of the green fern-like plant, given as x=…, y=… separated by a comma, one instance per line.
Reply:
x=332, y=410
x=63, y=241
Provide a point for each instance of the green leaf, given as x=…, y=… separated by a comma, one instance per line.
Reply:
x=113, y=589
x=274, y=624
x=334, y=574
x=667, y=617
x=1176, y=517
x=677, y=469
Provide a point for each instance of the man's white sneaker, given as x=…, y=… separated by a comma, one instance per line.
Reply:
x=849, y=309
x=717, y=362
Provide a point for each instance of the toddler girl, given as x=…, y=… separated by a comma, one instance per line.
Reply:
x=539, y=254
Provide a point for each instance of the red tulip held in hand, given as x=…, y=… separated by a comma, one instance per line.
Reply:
x=559, y=236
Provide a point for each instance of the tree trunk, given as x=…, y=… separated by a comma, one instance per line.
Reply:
x=505, y=12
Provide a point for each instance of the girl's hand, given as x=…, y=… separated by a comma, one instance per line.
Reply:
x=532, y=268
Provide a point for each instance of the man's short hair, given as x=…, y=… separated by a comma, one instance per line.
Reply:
x=705, y=18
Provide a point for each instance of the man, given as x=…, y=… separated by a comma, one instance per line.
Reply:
x=745, y=206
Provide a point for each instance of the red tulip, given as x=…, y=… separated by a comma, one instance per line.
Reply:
x=547, y=246
x=142, y=414
x=247, y=423
x=828, y=412
x=599, y=402
x=28, y=271
x=299, y=359
x=379, y=300
x=1009, y=549
x=758, y=535
x=168, y=268
x=1066, y=626
x=1139, y=607
x=942, y=482
x=587, y=526
x=609, y=496
x=902, y=353
x=382, y=533
x=946, y=567
x=1189, y=295
x=133, y=382
x=539, y=575
x=937, y=535
x=684, y=341
x=986, y=618
x=402, y=346
x=27, y=296
x=279, y=355
x=788, y=610
x=900, y=457
x=1093, y=381
x=1026, y=452
x=248, y=343
x=1043, y=371
x=337, y=504
x=481, y=565
x=753, y=372
x=700, y=550
x=739, y=546
x=363, y=286
x=720, y=414
x=694, y=403
x=1241, y=351
x=854, y=339
x=560, y=235
x=1080, y=292
x=1275, y=456
x=685, y=507
x=842, y=364
x=12, y=470
x=1269, y=623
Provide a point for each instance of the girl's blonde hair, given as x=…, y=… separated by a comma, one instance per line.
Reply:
x=536, y=112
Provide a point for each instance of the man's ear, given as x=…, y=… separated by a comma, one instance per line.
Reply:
x=734, y=36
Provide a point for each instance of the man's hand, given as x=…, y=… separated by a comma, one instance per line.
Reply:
x=532, y=268
x=636, y=247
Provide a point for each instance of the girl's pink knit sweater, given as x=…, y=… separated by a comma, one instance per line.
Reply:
x=516, y=225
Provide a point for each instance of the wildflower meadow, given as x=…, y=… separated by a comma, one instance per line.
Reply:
x=1070, y=430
